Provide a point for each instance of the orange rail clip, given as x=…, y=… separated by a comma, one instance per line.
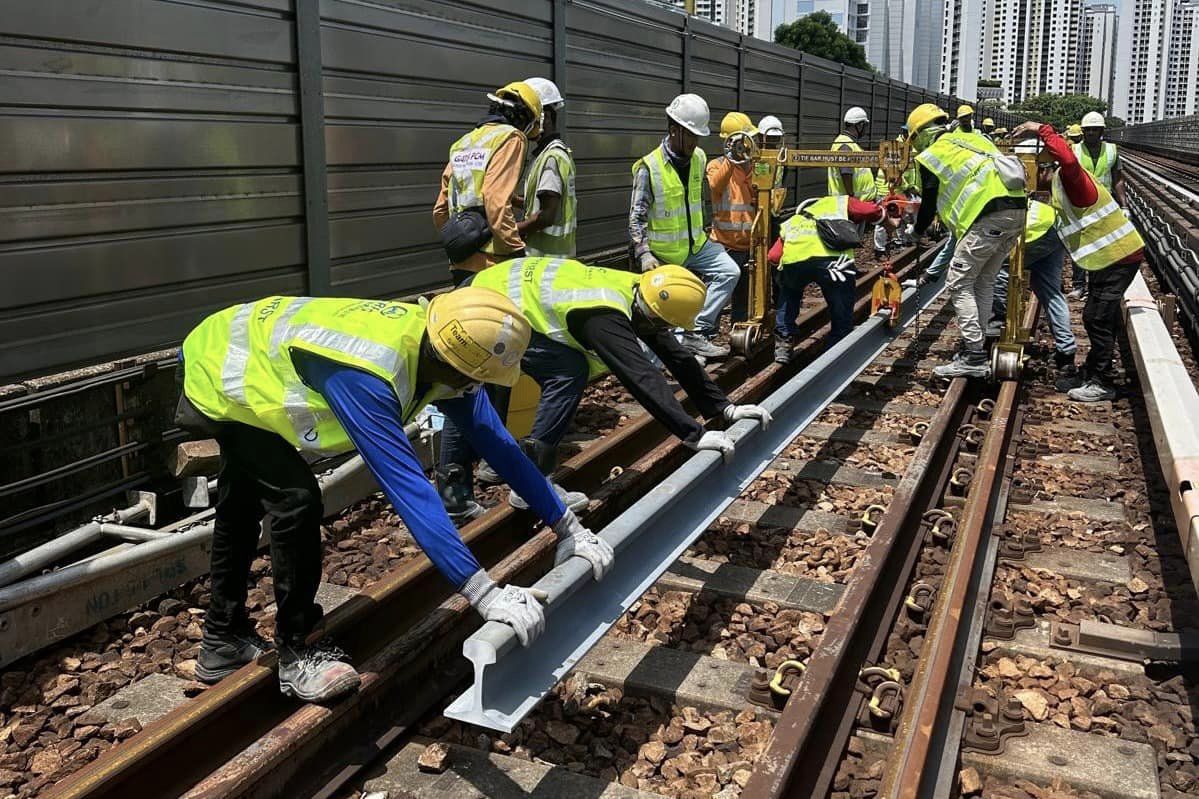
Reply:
x=887, y=293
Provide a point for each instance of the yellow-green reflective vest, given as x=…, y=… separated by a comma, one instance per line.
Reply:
x=969, y=180
x=469, y=157
x=864, y=186
x=911, y=175
x=1099, y=168
x=1039, y=221
x=1097, y=236
x=676, y=216
x=801, y=242
x=238, y=367
x=559, y=238
x=546, y=290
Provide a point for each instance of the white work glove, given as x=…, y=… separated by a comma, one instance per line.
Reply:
x=910, y=231
x=648, y=262
x=575, y=539
x=519, y=608
x=910, y=283
x=841, y=271
x=735, y=413
x=716, y=441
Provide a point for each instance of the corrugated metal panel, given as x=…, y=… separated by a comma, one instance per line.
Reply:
x=1173, y=138
x=154, y=168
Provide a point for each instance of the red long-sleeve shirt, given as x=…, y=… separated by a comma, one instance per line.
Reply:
x=859, y=211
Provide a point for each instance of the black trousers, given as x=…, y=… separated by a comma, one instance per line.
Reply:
x=1101, y=317
x=740, y=302
x=263, y=476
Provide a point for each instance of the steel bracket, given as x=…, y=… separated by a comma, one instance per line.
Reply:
x=991, y=722
x=1124, y=643
x=1004, y=618
x=1013, y=546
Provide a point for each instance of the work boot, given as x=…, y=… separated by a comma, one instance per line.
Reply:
x=783, y=349
x=545, y=458
x=969, y=363
x=1092, y=391
x=221, y=655
x=703, y=347
x=995, y=328
x=457, y=493
x=575, y=500
x=315, y=673
x=1068, y=376
x=1077, y=294
x=485, y=474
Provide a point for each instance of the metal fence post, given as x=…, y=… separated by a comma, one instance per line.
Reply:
x=559, y=43
x=312, y=138
x=740, y=71
x=686, y=54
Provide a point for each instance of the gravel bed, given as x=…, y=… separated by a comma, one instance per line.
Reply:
x=816, y=555
x=887, y=460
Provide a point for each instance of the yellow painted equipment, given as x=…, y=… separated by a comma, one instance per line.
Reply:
x=522, y=407
x=887, y=293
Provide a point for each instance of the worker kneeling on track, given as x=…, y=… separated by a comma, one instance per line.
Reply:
x=288, y=375
x=803, y=256
x=962, y=184
x=588, y=320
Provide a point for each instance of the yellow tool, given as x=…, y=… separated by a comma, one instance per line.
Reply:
x=892, y=157
x=1007, y=357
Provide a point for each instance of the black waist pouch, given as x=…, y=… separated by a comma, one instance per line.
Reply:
x=464, y=234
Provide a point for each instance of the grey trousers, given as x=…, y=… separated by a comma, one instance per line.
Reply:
x=976, y=260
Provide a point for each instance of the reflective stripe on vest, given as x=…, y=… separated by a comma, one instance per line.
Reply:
x=238, y=362
x=801, y=242
x=546, y=290
x=676, y=216
x=1097, y=236
x=1040, y=220
x=557, y=239
x=733, y=211
x=968, y=180
x=469, y=157
x=1100, y=168
x=864, y=187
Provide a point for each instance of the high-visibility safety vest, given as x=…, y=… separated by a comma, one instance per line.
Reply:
x=864, y=186
x=238, y=367
x=733, y=211
x=1099, y=168
x=676, y=216
x=557, y=239
x=1097, y=236
x=801, y=242
x=911, y=175
x=546, y=290
x=469, y=157
x=1040, y=220
x=969, y=180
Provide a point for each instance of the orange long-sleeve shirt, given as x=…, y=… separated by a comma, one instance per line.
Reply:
x=731, y=226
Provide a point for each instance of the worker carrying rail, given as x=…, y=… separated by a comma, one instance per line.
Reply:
x=1100, y=239
x=961, y=183
x=288, y=375
x=588, y=320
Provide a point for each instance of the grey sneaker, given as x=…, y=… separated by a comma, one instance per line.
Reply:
x=315, y=673
x=703, y=346
x=783, y=352
x=575, y=500
x=1092, y=391
x=995, y=329
x=485, y=474
x=964, y=364
x=220, y=656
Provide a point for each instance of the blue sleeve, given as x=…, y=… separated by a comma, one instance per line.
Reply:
x=474, y=415
x=370, y=414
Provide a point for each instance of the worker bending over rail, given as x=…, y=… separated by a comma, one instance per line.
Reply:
x=1101, y=239
x=588, y=320
x=288, y=375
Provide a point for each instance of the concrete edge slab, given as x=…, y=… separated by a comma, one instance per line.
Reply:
x=1034, y=642
x=1100, y=510
x=1080, y=565
x=752, y=585
x=146, y=700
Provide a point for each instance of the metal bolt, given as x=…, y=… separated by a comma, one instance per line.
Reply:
x=121, y=704
x=1126, y=750
x=1058, y=760
x=701, y=684
x=1061, y=635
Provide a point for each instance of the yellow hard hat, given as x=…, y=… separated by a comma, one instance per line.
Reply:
x=736, y=122
x=1000, y=131
x=924, y=115
x=988, y=123
x=1074, y=130
x=520, y=93
x=673, y=294
x=965, y=111
x=480, y=333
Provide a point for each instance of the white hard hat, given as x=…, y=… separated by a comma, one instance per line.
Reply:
x=770, y=126
x=690, y=111
x=547, y=90
x=1094, y=120
x=856, y=115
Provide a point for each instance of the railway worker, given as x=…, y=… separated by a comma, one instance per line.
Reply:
x=551, y=214
x=859, y=182
x=1100, y=239
x=668, y=217
x=961, y=184
x=965, y=118
x=771, y=137
x=1074, y=133
x=283, y=376
x=803, y=257
x=988, y=128
x=588, y=320
x=734, y=200
x=474, y=212
x=1101, y=160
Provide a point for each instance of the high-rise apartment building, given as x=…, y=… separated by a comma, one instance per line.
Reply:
x=960, y=51
x=903, y=40
x=1030, y=46
x=1097, y=52
x=1182, y=66
x=1142, y=56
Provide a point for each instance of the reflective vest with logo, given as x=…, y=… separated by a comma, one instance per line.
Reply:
x=801, y=242
x=733, y=210
x=238, y=367
x=559, y=238
x=968, y=179
x=864, y=186
x=469, y=157
x=1039, y=221
x=1097, y=236
x=546, y=290
x=1099, y=168
x=676, y=216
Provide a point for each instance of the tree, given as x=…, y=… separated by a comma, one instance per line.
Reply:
x=1059, y=110
x=817, y=34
